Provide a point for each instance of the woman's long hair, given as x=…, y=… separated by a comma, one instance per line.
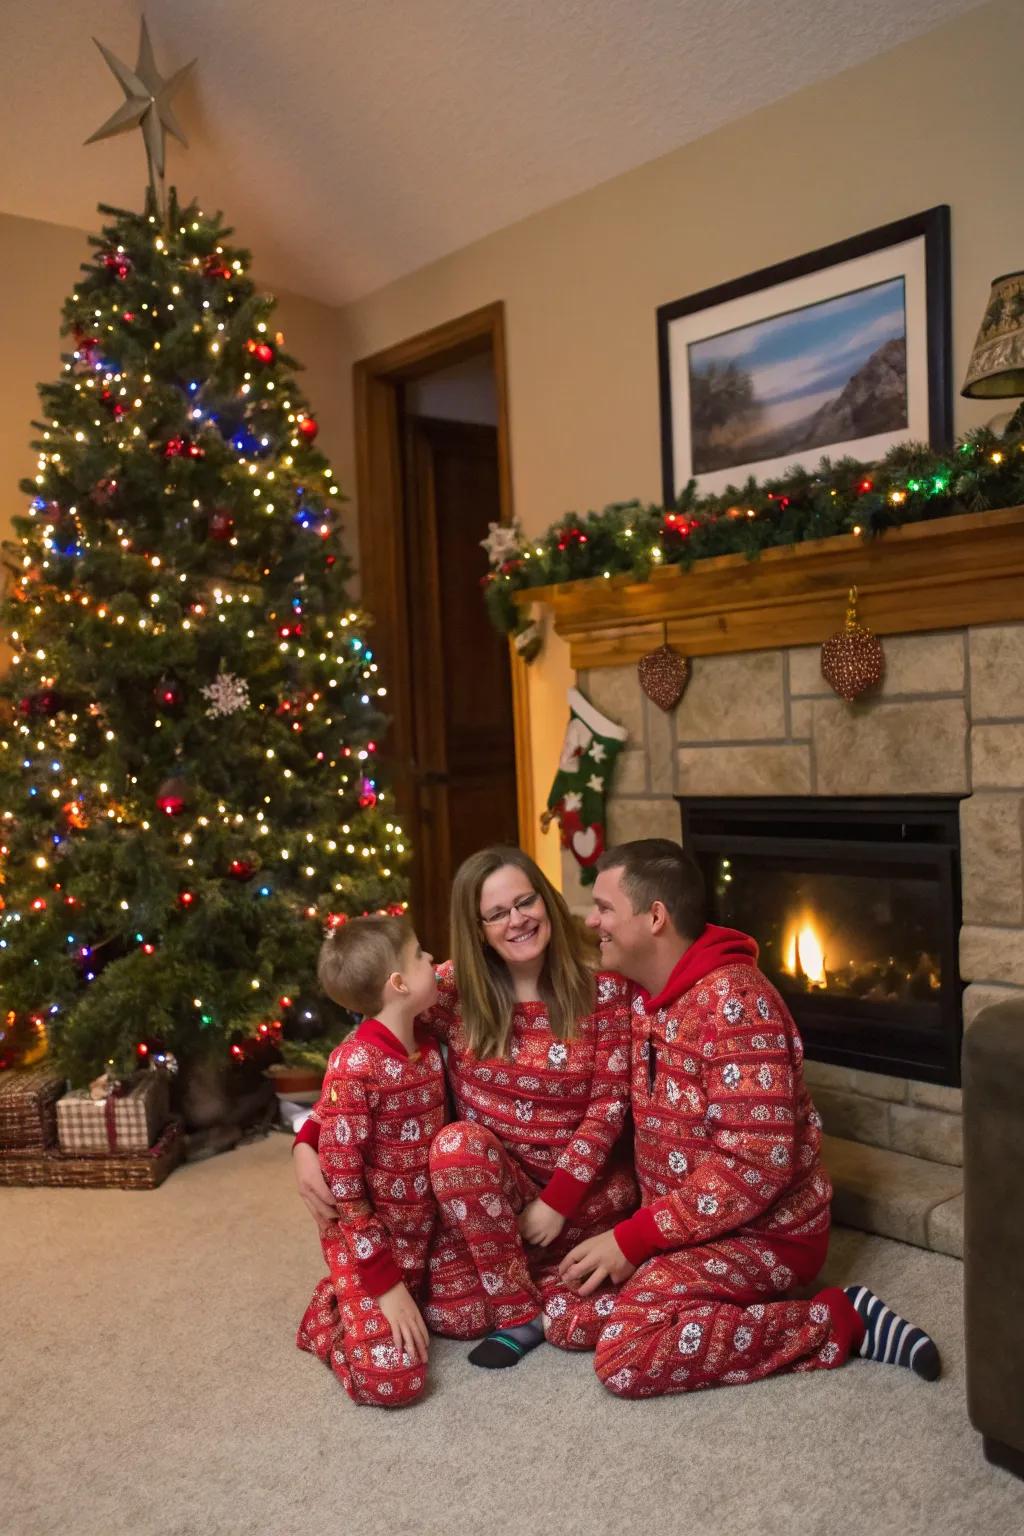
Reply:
x=486, y=993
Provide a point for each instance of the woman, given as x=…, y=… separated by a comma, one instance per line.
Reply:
x=538, y=1064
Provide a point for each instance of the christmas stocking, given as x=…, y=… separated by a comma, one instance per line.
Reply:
x=592, y=743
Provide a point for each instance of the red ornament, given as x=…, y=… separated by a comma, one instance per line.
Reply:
x=367, y=794
x=213, y=266
x=262, y=351
x=183, y=447
x=118, y=263
x=187, y=899
x=290, y=631
x=241, y=869
x=45, y=703
x=169, y=693
x=172, y=796
x=222, y=525
x=309, y=428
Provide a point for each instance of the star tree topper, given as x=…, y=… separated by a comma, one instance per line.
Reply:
x=147, y=105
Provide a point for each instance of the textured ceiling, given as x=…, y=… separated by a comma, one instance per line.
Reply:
x=351, y=141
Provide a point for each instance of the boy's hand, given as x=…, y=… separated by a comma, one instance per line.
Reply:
x=539, y=1224
x=313, y=1188
x=408, y=1329
x=593, y=1261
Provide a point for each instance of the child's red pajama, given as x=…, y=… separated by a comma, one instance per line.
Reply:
x=542, y=1122
x=378, y=1111
x=735, y=1201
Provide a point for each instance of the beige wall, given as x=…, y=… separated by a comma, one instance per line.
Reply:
x=938, y=120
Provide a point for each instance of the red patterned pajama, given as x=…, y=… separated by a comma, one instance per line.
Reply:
x=481, y=1275
x=716, y=1315
x=346, y=1329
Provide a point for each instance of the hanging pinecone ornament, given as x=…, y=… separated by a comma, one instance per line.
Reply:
x=663, y=676
x=852, y=660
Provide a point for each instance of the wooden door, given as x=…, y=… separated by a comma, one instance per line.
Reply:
x=463, y=765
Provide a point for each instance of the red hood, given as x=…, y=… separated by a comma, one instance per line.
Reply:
x=715, y=947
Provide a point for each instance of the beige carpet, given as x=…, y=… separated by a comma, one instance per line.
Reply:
x=150, y=1384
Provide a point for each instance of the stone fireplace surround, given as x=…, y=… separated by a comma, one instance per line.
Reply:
x=948, y=719
x=758, y=719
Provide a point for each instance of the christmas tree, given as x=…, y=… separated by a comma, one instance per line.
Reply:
x=187, y=780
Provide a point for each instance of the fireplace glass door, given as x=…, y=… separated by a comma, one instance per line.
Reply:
x=855, y=905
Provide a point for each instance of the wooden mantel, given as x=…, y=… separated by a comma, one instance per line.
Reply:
x=937, y=575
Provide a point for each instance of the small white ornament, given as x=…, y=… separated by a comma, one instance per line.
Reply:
x=227, y=694
x=502, y=542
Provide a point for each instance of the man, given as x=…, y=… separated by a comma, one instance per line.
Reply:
x=735, y=1201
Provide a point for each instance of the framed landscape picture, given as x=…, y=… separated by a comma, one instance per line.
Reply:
x=842, y=352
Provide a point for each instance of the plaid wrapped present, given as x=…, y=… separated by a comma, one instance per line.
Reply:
x=127, y=1120
x=28, y=1096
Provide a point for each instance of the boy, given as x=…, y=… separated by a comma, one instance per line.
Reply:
x=382, y=1101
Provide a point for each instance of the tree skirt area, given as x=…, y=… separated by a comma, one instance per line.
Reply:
x=151, y=1384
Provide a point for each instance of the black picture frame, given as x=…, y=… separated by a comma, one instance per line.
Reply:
x=933, y=226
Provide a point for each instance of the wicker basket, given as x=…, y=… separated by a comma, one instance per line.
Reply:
x=104, y=1170
x=28, y=1107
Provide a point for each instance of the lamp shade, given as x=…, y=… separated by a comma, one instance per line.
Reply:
x=997, y=362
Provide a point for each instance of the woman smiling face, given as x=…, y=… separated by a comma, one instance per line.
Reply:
x=513, y=918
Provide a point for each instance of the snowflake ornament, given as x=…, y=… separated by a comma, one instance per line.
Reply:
x=502, y=542
x=227, y=694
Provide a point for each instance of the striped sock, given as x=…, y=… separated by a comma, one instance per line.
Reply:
x=889, y=1338
x=507, y=1346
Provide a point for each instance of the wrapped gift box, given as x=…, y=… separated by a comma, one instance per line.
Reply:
x=28, y=1099
x=129, y=1119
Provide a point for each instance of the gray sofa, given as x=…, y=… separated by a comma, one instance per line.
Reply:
x=993, y=1111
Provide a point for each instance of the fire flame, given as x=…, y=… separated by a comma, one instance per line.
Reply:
x=803, y=952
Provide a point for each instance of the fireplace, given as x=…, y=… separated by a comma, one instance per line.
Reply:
x=855, y=904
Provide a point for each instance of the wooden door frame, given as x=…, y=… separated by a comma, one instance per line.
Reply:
x=376, y=383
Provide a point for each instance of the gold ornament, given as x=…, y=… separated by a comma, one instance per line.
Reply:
x=852, y=660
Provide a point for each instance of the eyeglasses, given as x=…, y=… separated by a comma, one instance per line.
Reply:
x=503, y=916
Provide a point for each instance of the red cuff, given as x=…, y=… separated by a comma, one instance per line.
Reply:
x=847, y=1324
x=378, y=1274
x=563, y=1193
x=308, y=1135
x=638, y=1236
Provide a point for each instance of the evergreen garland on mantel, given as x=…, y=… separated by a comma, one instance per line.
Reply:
x=912, y=484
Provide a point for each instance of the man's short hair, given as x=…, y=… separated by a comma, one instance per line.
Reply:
x=357, y=958
x=655, y=869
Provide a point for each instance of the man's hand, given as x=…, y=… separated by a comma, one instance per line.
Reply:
x=539, y=1224
x=408, y=1329
x=313, y=1188
x=594, y=1261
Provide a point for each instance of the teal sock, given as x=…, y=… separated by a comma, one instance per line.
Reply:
x=507, y=1346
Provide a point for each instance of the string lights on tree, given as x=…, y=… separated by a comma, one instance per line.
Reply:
x=188, y=790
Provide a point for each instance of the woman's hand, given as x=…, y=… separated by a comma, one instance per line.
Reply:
x=313, y=1188
x=539, y=1224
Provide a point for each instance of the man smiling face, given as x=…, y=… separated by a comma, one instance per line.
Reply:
x=626, y=937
